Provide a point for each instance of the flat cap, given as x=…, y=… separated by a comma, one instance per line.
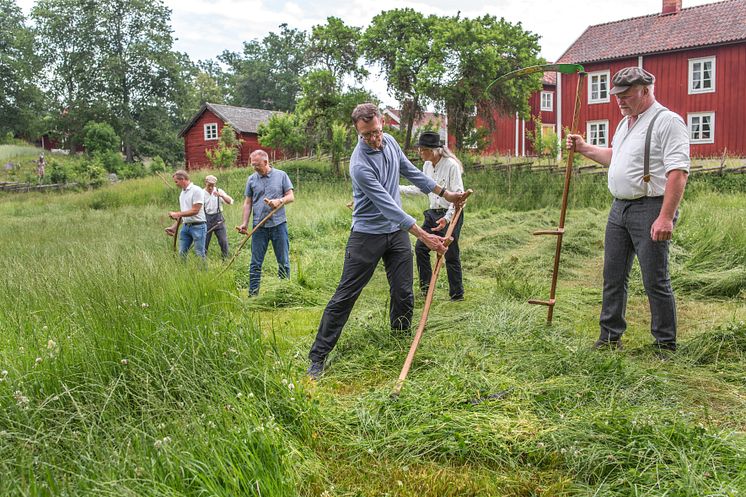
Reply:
x=629, y=76
x=211, y=179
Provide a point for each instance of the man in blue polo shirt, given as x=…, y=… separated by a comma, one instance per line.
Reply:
x=266, y=189
x=379, y=231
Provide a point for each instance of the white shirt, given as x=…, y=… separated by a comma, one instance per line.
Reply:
x=213, y=203
x=447, y=174
x=189, y=196
x=669, y=150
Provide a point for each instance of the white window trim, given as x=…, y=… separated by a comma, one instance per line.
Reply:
x=550, y=107
x=690, y=84
x=588, y=124
x=608, y=87
x=208, y=125
x=711, y=115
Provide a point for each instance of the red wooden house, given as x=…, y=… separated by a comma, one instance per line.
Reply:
x=203, y=132
x=698, y=56
x=431, y=120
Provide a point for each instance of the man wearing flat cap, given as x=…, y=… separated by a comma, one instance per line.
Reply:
x=648, y=169
x=215, y=198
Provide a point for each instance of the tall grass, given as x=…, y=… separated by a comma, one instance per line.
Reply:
x=124, y=371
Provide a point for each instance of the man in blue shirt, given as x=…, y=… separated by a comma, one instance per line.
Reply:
x=266, y=189
x=379, y=231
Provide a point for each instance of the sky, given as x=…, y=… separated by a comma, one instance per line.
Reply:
x=204, y=29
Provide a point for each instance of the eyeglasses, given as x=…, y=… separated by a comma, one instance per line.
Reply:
x=372, y=134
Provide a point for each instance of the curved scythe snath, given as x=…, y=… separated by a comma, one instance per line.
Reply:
x=560, y=68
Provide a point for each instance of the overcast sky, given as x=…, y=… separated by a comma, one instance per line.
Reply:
x=203, y=29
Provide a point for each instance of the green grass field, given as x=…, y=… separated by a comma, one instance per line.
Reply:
x=124, y=371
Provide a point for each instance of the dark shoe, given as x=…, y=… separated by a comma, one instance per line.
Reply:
x=664, y=351
x=457, y=298
x=602, y=344
x=315, y=370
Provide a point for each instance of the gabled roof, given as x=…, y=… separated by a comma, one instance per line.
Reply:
x=549, y=78
x=242, y=119
x=426, y=118
x=704, y=25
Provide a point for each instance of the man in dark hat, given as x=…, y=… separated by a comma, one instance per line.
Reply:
x=379, y=231
x=648, y=169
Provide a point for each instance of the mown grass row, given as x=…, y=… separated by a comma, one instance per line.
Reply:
x=130, y=373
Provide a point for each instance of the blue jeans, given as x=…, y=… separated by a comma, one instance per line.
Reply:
x=192, y=234
x=278, y=235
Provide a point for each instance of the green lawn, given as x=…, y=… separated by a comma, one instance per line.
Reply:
x=126, y=372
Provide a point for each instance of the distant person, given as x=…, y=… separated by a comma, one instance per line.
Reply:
x=644, y=211
x=192, y=215
x=41, y=165
x=266, y=189
x=379, y=231
x=214, y=200
x=445, y=168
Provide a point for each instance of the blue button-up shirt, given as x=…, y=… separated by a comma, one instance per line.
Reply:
x=375, y=187
x=274, y=185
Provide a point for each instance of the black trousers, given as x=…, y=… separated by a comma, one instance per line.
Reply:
x=361, y=258
x=220, y=232
x=453, y=255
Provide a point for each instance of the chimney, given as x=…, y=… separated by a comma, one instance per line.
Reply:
x=671, y=7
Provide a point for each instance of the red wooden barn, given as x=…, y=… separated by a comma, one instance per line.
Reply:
x=203, y=132
x=698, y=56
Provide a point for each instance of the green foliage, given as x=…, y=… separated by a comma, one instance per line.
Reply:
x=21, y=101
x=226, y=152
x=283, y=132
x=334, y=47
x=544, y=142
x=157, y=165
x=401, y=41
x=476, y=50
x=266, y=75
x=92, y=172
x=57, y=171
x=100, y=138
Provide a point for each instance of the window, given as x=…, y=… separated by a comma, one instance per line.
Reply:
x=547, y=101
x=211, y=131
x=702, y=75
x=598, y=87
x=598, y=133
x=702, y=127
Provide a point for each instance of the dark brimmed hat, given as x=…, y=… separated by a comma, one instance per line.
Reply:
x=429, y=139
x=629, y=76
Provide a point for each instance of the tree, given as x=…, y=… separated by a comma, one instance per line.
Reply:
x=110, y=61
x=267, y=74
x=283, y=132
x=334, y=47
x=20, y=99
x=401, y=42
x=474, y=52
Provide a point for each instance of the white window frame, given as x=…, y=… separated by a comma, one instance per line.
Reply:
x=599, y=75
x=549, y=105
x=588, y=132
x=211, y=131
x=702, y=61
x=691, y=117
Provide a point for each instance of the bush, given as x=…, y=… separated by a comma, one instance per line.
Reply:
x=158, y=165
x=111, y=161
x=58, y=172
x=100, y=138
x=132, y=170
x=92, y=173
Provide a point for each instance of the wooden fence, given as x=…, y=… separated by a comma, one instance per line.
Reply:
x=10, y=186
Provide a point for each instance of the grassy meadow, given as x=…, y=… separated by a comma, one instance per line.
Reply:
x=126, y=372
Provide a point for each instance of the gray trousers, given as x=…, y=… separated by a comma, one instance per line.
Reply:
x=627, y=235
